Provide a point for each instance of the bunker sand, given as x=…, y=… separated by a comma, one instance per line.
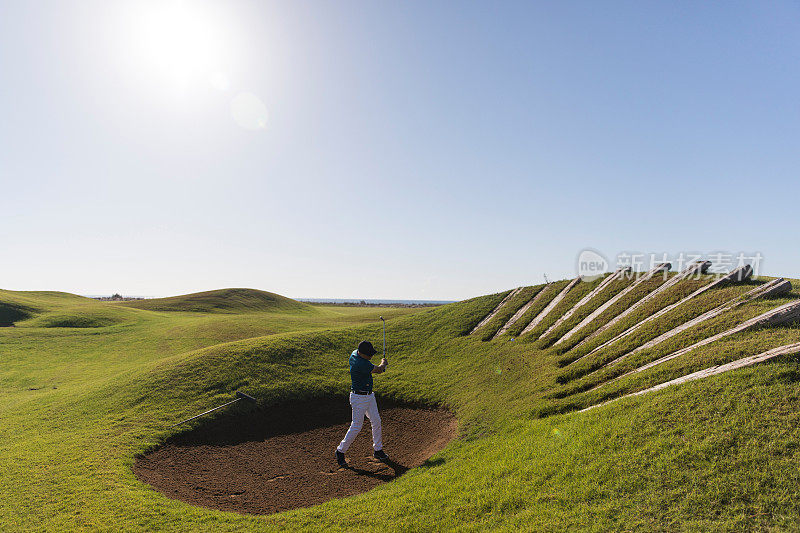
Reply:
x=283, y=458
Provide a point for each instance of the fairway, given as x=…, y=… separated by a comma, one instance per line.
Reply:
x=89, y=390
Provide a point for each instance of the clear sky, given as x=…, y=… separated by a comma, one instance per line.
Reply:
x=434, y=150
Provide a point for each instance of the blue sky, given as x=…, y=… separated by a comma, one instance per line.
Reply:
x=435, y=150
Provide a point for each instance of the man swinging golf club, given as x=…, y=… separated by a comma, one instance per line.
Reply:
x=362, y=400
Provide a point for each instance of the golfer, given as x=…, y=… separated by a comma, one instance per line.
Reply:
x=362, y=400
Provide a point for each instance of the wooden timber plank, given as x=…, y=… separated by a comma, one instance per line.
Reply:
x=789, y=349
x=663, y=267
x=780, y=315
x=546, y=311
x=521, y=311
x=496, y=310
x=738, y=275
x=693, y=269
x=618, y=274
x=773, y=288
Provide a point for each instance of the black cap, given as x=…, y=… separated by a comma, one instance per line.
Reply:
x=366, y=348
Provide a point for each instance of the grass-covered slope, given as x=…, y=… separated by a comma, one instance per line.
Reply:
x=16, y=306
x=221, y=301
x=720, y=453
x=51, y=309
x=11, y=313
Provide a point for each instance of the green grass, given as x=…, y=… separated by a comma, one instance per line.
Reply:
x=488, y=330
x=78, y=403
x=221, y=301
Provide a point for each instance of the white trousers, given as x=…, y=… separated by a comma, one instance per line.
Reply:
x=363, y=404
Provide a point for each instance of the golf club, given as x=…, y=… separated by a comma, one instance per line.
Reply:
x=239, y=396
x=384, y=336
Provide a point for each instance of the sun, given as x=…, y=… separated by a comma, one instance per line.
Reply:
x=180, y=42
x=176, y=50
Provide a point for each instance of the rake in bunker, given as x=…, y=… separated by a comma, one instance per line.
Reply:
x=239, y=396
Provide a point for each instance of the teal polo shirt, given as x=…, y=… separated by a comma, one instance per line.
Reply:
x=360, y=373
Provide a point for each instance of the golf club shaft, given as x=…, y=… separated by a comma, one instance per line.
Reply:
x=384, y=337
x=205, y=413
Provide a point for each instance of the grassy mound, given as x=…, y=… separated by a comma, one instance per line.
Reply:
x=77, y=319
x=18, y=306
x=10, y=313
x=221, y=301
x=719, y=453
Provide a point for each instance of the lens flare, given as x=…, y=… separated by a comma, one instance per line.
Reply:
x=249, y=112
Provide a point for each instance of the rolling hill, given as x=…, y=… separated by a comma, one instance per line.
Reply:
x=221, y=301
x=657, y=402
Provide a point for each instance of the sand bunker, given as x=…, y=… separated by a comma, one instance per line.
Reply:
x=283, y=458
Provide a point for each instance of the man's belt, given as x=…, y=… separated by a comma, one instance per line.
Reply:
x=361, y=392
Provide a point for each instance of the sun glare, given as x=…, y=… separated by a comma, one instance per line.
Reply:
x=179, y=49
x=182, y=42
